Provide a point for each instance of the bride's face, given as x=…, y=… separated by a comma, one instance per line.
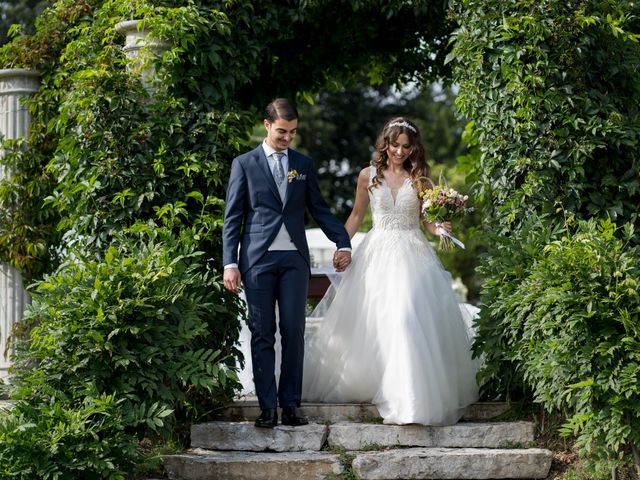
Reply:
x=399, y=150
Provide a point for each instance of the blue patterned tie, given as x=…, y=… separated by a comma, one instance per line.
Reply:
x=278, y=173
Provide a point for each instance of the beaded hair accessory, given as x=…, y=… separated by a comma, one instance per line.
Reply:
x=403, y=124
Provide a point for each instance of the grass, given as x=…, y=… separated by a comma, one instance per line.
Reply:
x=346, y=460
x=367, y=419
x=580, y=469
x=153, y=451
x=567, y=465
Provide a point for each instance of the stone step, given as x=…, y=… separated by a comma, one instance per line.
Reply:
x=243, y=436
x=361, y=436
x=452, y=463
x=406, y=464
x=248, y=410
x=198, y=464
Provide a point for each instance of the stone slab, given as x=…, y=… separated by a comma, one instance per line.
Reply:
x=456, y=463
x=197, y=464
x=362, y=436
x=247, y=409
x=482, y=411
x=244, y=436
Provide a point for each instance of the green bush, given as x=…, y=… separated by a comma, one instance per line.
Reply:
x=115, y=208
x=145, y=324
x=580, y=344
x=119, y=349
x=57, y=439
x=503, y=270
x=571, y=330
x=552, y=88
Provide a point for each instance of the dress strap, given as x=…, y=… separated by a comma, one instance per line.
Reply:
x=372, y=173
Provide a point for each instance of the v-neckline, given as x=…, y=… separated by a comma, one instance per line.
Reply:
x=395, y=198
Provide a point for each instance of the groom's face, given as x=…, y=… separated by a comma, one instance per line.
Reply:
x=280, y=133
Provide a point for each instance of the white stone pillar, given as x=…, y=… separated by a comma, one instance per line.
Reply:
x=141, y=49
x=15, y=84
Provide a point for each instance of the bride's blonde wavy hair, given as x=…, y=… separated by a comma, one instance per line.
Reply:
x=416, y=163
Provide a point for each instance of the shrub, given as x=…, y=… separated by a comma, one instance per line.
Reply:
x=552, y=90
x=116, y=204
x=581, y=337
x=574, y=329
x=118, y=349
x=58, y=439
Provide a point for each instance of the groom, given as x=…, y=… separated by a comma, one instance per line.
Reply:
x=269, y=189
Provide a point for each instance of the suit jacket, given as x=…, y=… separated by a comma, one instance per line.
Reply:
x=255, y=211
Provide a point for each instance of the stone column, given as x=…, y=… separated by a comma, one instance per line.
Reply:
x=15, y=84
x=141, y=49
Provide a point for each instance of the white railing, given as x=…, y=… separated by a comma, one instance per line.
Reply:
x=15, y=84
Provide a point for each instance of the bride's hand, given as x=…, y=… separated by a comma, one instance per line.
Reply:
x=341, y=260
x=444, y=226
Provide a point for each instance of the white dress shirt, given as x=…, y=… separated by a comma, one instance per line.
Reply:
x=283, y=239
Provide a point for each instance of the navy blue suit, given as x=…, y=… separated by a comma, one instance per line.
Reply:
x=253, y=216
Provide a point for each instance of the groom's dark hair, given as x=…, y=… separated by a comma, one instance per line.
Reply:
x=280, y=108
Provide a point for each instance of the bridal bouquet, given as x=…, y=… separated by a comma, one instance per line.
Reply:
x=442, y=203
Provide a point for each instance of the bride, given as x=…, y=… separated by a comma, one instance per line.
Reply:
x=394, y=334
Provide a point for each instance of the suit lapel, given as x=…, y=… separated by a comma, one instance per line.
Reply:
x=263, y=166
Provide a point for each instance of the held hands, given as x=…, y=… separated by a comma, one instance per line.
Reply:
x=231, y=278
x=341, y=260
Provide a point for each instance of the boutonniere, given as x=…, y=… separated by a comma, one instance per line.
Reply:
x=294, y=175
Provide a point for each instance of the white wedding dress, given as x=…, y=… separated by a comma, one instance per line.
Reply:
x=394, y=333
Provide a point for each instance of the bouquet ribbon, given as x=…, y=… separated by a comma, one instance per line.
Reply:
x=453, y=239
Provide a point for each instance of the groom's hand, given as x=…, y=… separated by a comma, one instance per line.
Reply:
x=341, y=260
x=231, y=279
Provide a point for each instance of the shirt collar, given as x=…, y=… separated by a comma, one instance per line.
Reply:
x=268, y=151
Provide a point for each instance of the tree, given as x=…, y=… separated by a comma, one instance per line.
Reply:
x=22, y=13
x=120, y=192
x=340, y=129
x=553, y=91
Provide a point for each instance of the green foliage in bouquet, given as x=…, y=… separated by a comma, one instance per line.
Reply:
x=442, y=203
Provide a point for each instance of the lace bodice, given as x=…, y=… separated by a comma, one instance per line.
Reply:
x=403, y=213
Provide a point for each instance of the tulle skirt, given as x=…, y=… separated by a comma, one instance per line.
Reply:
x=394, y=334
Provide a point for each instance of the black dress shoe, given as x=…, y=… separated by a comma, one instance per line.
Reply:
x=268, y=418
x=291, y=418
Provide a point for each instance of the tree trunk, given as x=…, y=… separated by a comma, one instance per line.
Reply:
x=636, y=458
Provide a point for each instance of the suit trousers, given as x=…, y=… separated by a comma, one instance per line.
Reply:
x=280, y=277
